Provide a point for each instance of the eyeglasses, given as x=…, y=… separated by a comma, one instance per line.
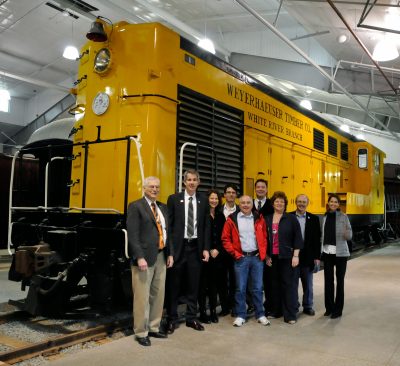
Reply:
x=153, y=187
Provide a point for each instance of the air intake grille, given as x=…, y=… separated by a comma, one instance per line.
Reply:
x=332, y=146
x=318, y=140
x=217, y=126
x=344, y=151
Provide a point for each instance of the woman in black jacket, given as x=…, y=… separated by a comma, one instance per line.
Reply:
x=284, y=244
x=212, y=281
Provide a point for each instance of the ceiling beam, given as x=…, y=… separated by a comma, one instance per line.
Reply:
x=33, y=81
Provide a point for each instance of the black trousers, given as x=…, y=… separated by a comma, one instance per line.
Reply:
x=226, y=272
x=184, y=278
x=208, y=285
x=334, y=305
x=279, y=282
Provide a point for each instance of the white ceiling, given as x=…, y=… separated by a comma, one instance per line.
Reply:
x=33, y=34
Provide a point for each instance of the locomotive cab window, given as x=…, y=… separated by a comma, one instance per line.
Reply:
x=376, y=162
x=363, y=158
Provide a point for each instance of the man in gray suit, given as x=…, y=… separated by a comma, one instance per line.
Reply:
x=147, y=223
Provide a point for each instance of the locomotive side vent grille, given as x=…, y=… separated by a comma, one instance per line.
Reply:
x=218, y=126
x=332, y=146
x=344, y=151
x=319, y=140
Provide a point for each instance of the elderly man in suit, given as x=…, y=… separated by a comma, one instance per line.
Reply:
x=147, y=222
x=310, y=255
x=189, y=235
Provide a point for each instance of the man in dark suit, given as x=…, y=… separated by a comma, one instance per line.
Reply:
x=147, y=221
x=310, y=255
x=262, y=203
x=189, y=235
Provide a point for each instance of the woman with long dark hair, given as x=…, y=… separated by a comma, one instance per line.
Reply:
x=211, y=282
x=336, y=230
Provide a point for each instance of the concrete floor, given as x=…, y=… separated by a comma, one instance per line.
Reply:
x=368, y=334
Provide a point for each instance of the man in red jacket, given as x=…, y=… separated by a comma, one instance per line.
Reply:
x=244, y=237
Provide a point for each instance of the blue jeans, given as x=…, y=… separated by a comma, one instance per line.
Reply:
x=250, y=267
x=305, y=274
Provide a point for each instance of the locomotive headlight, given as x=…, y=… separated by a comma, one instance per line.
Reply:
x=102, y=60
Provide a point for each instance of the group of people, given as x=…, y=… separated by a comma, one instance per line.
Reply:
x=250, y=256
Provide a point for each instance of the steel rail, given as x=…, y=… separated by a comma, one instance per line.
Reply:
x=64, y=341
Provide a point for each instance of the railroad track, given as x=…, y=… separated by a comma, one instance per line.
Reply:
x=50, y=340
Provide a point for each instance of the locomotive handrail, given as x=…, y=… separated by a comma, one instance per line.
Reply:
x=126, y=243
x=138, y=147
x=181, y=162
x=46, y=178
x=9, y=243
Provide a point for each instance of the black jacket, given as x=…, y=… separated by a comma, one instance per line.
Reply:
x=289, y=235
x=142, y=230
x=312, y=241
x=176, y=224
x=266, y=210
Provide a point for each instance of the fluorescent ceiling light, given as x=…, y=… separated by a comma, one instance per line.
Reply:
x=71, y=53
x=305, y=103
x=345, y=128
x=385, y=50
x=207, y=44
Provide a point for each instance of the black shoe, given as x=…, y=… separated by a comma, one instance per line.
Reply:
x=335, y=316
x=158, y=335
x=194, y=324
x=214, y=316
x=144, y=341
x=310, y=312
x=272, y=315
x=171, y=326
x=204, y=318
x=327, y=313
x=224, y=312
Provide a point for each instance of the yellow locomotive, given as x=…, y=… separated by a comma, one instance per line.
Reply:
x=149, y=102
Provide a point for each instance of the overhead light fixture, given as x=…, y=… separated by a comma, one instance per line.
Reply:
x=96, y=32
x=360, y=136
x=207, y=44
x=71, y=53
x=342, y=38
x=385, y=50
x=305, y=103
x=345, y=128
